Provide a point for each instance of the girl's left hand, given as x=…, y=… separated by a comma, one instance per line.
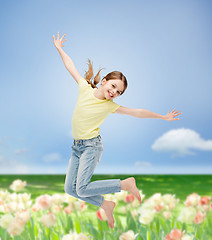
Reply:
x=171, y=116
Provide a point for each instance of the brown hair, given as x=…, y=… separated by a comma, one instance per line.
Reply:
x=112, y=75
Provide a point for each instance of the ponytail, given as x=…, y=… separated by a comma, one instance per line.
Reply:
x=112, y=75
x=89, y=74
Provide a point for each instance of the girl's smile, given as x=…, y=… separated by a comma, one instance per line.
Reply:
x=112, y=87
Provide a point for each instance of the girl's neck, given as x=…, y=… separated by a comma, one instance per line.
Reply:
x=98, y=93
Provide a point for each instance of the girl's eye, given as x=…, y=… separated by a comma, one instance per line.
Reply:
x=113, y=85
x=118, y=92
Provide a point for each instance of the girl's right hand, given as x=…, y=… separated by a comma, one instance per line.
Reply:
x=58, y=42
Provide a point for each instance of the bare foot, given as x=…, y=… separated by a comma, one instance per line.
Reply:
x=129, y=185
x=108, y=207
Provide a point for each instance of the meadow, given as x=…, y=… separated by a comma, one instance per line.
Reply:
x=164, y=199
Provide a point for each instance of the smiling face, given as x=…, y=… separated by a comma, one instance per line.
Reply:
x=112, y=88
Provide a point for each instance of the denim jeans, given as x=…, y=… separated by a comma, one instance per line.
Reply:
x=86, y=154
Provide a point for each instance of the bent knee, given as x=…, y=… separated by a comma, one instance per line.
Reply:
x=81, y=192
x=69, y=190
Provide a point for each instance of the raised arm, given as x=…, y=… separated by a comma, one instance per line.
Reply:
x=143, y=113
x=66, y=59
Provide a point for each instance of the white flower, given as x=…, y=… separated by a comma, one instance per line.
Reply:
x=167, y=214
x=146, y=215
x=4, y=194
x=128, y=235
x=25, y=197
x=57, y=198
x=111, y=197
x=80, y=205
x=18, y=185
x=69, y=199
x=24, y=215
x=74, y=236
x=168, y=198
x=150, y=204
x=3, y=208
x=5, y=220
x=12, y=207
x=187, y=215
x=187, y=237
x=81, y=236
x=70, y=236
x=192, y=200
x=13, y=197
x=44, y=201
x=16, y=227
x=157, y=198
x=121, y=195
x=48, y=220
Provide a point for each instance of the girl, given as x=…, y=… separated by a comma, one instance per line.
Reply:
x=93, y=106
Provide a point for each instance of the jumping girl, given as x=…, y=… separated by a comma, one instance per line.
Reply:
x=93, y=106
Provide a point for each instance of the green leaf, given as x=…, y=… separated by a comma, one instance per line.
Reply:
x=99, y=222
x=31, y=228
x=157, y=223
x=118, y=223
x=131, y=224
x=93, y=231
x=77, y=226
x=69, y=225
x=54, y=236
x=163, y=223
x=178, y=225
x=148, y=236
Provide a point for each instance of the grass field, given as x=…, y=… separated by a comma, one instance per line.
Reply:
x=180, y=185
x=87, y=222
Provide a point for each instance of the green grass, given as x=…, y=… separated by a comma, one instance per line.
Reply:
x=180, y=185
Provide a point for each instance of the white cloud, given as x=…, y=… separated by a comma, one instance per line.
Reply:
x=52, y=157
x=142, y=164
x=180, y=141
x=20, y=151
x=14, y=167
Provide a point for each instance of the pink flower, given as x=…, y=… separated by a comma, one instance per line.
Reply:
x=205, y=200
x=16, y=227
x=129, y=198
x=192, y=200
x=44, y=201
x=35, y=207
x=67, y=210
x=199, y=217
x=23, y=215
x=175, y=234
x=48, y=220
x=158, y=207
x=101, y=214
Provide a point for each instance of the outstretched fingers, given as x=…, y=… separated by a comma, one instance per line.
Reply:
x=62, y=37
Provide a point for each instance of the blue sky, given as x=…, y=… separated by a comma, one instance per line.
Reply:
x=162, y=47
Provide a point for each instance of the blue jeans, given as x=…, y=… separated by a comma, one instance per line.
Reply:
x=86, y=154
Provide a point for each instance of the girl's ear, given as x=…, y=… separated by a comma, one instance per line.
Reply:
x=103, y=81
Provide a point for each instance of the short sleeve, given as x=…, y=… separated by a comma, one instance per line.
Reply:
x=113, y=106
x=83, y=83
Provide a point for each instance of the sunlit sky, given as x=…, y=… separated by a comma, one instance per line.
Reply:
x=162, y=47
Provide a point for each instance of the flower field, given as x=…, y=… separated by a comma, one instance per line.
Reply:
x=30, y=212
